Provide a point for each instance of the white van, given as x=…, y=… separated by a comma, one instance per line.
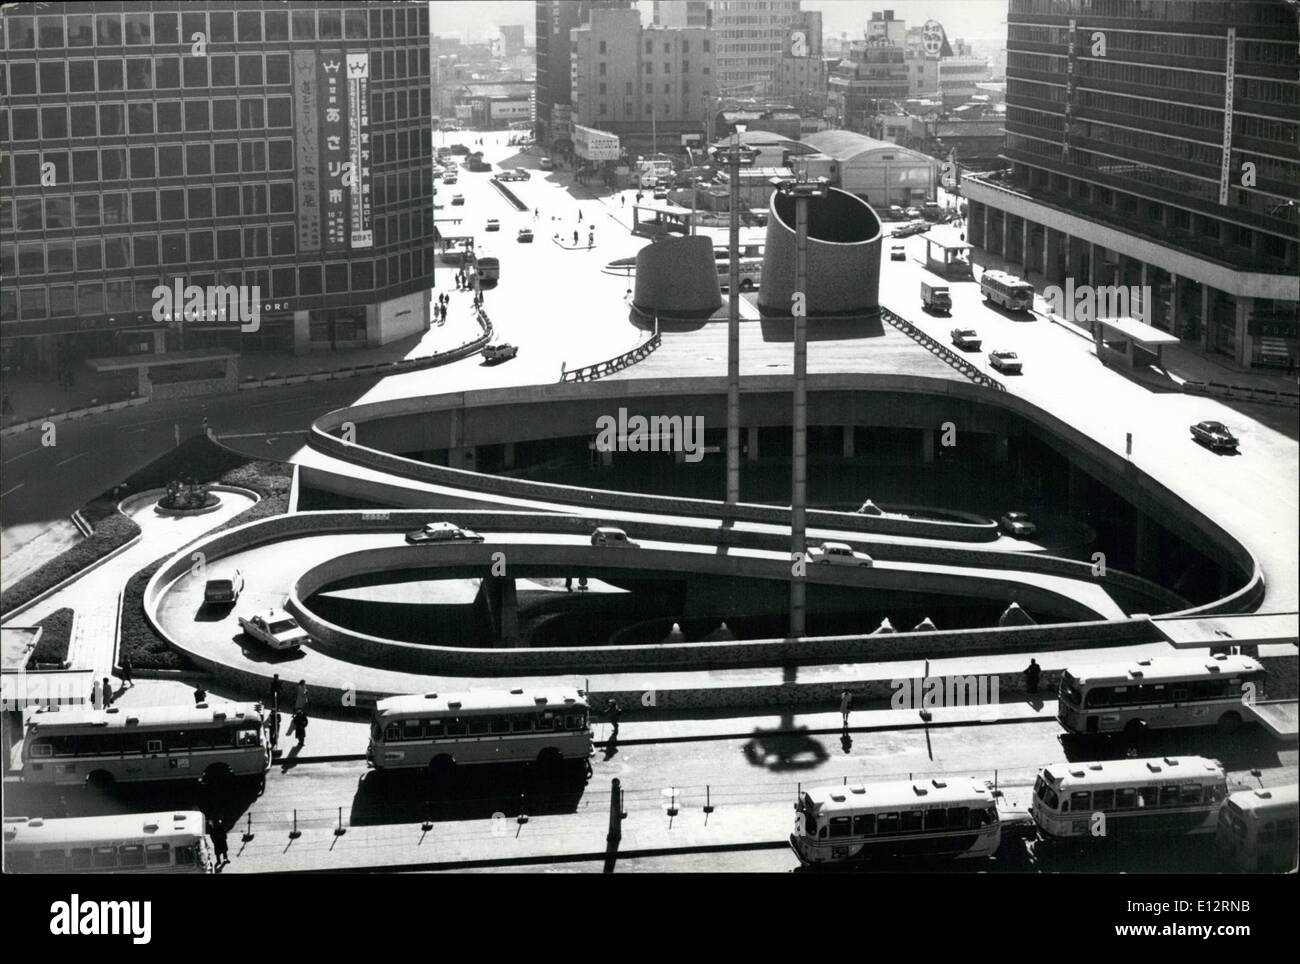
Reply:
x=609, y=536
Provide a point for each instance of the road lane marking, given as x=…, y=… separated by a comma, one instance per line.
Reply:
x=72, y=459
x=14, y=489
x=24, y=455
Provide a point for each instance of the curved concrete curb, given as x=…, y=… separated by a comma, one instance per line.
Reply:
x=130, y=543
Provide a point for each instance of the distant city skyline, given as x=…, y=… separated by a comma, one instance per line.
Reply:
x=980, y=21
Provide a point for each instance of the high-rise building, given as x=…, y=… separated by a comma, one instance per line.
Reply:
x=802, y=69
x=883, y=28
x=553, y=98
x=640, y=83
x=512, y=40
x=294, y=157
x=1155, y=146
x=869, y=82
x=749, y=37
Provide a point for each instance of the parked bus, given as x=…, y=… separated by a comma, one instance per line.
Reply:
x=1257, y=830
x=1173, y=795
x=150, y=843
x=751, y=273
x=456, y=250
x=1158, y=693
x=116, y=745
x=442, y=730
x=1007, y=290
x=893, y=820
x=488, y=268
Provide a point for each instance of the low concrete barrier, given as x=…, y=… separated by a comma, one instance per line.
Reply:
x=1242, y=392
x=589, y=373
x=508, y=194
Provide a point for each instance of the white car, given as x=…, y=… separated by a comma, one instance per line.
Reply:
x=224, y=590
x=1005, y=361
x=838, y=554
x=1017, y=525
x=609, y=536
x=276, y=628
x=493, y=224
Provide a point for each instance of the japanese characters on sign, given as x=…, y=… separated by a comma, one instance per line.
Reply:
x=359, y=145
x=304, y=94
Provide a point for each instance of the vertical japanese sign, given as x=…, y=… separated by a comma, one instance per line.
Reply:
x=1229, y=76
x=335, y=164
x=359, y=147
x=306, y=114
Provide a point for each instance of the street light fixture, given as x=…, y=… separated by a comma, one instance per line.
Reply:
x=736, y=155
x=802, y=191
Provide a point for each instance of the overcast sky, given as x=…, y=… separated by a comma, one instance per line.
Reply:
x=977, y=20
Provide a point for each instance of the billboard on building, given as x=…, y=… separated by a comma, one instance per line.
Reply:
x=358, y=182
x=308, y=150
x=935, y=39
x=335, y=152
x=593, y=145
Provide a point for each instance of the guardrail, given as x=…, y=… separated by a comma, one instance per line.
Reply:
x=95, y=408
x=941, y=351
x=380, y=368
x=1242, y=392
x=589, y=373
x=508, y=194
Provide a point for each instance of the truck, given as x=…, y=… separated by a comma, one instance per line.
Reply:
x=935, y=298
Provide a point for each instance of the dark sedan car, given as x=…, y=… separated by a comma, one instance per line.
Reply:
x=1215, y=435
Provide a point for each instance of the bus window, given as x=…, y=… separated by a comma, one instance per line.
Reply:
x=1126, y=798
x=1179, y=693
x=433, y=728
x=910, y=820
x=80, y=858
x=130, y=855
x=521, y=723
x=153, y=746
x=1150, y=796
x=1098, y=697
x=411, y=729
x=392, y=732
x=478, y=725
x=456, y=727
x=936, y=819
x=105, y=857
x=1168, y=796
x=50, y=862
x=157, y=854
x=180, y=740
x=887, y=823
x=573, y=722
x=1190, y=793
x=1103, y=800
x=841, y=826
x=864, y=825
x=1049, y=798
x=186, y=855
x=958, y=817
x=546, y=722
x=41, y=749
x=1080, y=800
x=499, y=724
x=989, y=815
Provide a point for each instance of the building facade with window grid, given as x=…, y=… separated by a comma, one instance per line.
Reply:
x=141, y=154
x=1165, y=159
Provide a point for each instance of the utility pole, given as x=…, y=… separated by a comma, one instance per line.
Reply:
x=735, y=157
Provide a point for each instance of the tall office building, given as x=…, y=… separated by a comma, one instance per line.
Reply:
x=640, y=83
x=802, y=70
x=512, y=40
x=749, y=37
x=553, y=100
x=869, y=82
x=1153, y=143
x=293, y=156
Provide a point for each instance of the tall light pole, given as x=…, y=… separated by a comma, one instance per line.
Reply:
x=802, y=191
x=736, y=155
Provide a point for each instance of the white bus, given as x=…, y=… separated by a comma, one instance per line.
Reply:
x=1158, y=693
x=1257, y=830
x=117, y=745
x=1172, y=795
x=893, y=820
x=150, y=843
x=1007, y=290
x=439, y=731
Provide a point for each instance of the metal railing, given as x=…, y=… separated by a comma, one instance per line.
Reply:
x=941, y=351
x=589, y=373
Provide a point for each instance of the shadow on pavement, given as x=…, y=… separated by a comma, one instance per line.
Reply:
x=470, y=793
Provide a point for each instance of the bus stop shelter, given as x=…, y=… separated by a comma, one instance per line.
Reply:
x=948, y=259
x=177, y=374
x=1131, y=341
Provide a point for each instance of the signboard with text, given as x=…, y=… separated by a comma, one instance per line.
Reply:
x=335, y=155
x=593, y=145
x=363, y=235
x=308, y=150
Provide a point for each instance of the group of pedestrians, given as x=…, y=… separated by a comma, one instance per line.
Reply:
x=101, y=693
x=297, y=722
x=463, y=280
x=440, y=307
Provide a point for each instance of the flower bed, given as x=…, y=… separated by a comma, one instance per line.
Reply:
x=56, y=635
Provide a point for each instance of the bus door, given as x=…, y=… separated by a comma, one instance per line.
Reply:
x=177, y=755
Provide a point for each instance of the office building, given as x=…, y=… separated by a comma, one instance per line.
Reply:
x=294, y=158
x=749, y=37
x=866, y=85
x=1169, y=163
x=552, y=102
x=802, y=69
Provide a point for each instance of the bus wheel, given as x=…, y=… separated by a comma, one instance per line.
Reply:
x=549, y=763
x=1228, y=723
x=441, y=768
x=101, y=781
x=216, y=777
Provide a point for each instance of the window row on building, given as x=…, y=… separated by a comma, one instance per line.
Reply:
x=54, y=31
x=1264, y=13
x=87, y=299
x=107, y=74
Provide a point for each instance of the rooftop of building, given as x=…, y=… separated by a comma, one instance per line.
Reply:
x=842, y=145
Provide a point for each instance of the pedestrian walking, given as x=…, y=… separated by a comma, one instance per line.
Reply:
x=275, y=691
x=536, y=213
x=612, y=711
x=300, y=700
x=108, y=693
x=300, y=727
x=205, y=425
x=96, y=697
x=127, y=670
x=582, y=584
x=579, y=215
x=575, y=238
x=220, y=848
x=1032, y=672
x=568, y=584
x=622, y=200
x=200, y=694
x=846, y=707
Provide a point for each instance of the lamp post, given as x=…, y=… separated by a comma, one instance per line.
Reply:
x=736, y=155
x=802, y=191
